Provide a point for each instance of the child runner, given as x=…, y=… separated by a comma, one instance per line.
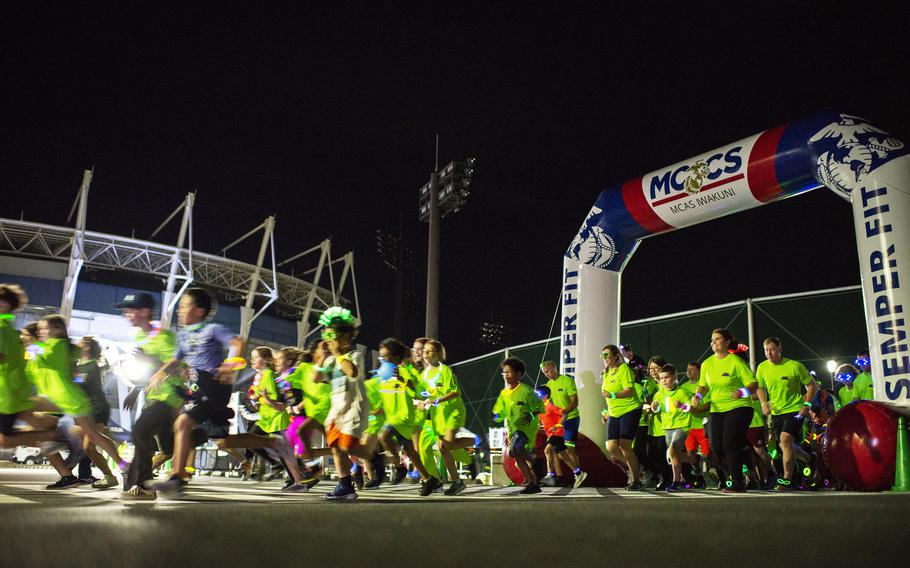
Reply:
x=58, y=391
x=88, y=376
x=519, y=406
x=672, y=404
x=403, y=421
x=349, y=414
x=450, y=414
x=315, y=406
x=846, y=376
x=370, y=439
x=696, y=440
x=556, y=449
x=15, y=389
x=863, y=382
x=564, y=395
x=154, y=347
x=200, y=347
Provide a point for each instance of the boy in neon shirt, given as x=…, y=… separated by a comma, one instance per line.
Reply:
x=780, y=385
x=672, y=404
x=519, y=407
x=846, y=376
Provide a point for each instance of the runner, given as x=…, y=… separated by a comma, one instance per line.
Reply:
x=624, y=411
x=519, y=407
x=564, y=395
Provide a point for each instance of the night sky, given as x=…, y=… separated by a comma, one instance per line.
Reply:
x=327, y=119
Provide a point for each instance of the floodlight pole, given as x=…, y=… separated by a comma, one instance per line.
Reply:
x=77, y=252
x=432, y=320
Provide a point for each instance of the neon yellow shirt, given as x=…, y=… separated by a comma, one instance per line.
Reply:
x=317, y=397
x=270, y=419
x=54, y=379
x=520, y=408
x=161, y=344
x=670, y=401
x=561, y=389
x=15, y=389
x=724, y=377
x=618, y=380
x=862, y=386
x=397, y=400
x=783, y=382
x=450, y=414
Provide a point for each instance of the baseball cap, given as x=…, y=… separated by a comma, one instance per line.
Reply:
x=136, y=300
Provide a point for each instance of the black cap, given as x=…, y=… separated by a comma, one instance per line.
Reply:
x=137, y=300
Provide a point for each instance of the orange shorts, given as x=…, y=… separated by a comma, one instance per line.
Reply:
x=698, y=439
x=336, y=439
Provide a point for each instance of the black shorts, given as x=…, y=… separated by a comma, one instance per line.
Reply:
x=101, y=414
x=623, y=428
x=210, y=400
x=557, y=442
x=790, y=423
x=6, y=423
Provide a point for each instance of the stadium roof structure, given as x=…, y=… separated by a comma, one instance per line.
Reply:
x=181, y=264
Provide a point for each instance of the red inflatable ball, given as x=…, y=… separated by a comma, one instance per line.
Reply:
x=861, y=445
x=601, y=472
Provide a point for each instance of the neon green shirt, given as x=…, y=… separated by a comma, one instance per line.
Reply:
x=520, y=408
x=54, y=379
x=645, y=393
x=783, y=382
x=846, y=395
x=618, y=380
x=450, y=414
x=397, y=400
x=270, y=419
x=671, y=417
x=561, y=389
x=724, y=377
x=758, y=417
x=862, y=386
x=317, y=397
x=376, y=421
x=696, y=419
x=15, y=389
x=161, y=344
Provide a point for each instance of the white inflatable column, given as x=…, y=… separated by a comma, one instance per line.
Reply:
x=585, y=332
x=881, y=214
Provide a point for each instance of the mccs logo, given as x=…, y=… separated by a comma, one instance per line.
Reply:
x=711, y=169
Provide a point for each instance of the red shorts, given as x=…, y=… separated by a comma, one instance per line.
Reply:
x=697, y=439
x=336, y=439
x=758, y=436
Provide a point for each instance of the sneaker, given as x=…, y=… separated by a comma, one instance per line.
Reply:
x=136, y=493
x=732, y=490
x=699, y=482
x=65, y=482
x=531, y=489
x=456, y=488
x=579, y=479
x=429, y=486
x=171, y=488
x=549, y=481
x=296, y=488
x=108, y=482
x=399, y=474
x=358, y=478
x=784, y=485
x=372, y=484
x=342, y=492
x=275, y=473
x=635, y=486
x=675, y=487
x=87, y=480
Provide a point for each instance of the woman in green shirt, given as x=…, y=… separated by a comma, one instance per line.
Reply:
x=623, y=411
x=731, y=384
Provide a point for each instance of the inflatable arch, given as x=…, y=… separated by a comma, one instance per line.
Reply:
x=861, y=163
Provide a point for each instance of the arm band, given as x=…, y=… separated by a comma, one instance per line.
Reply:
x=745, y=392
x=613, y=395
x=809, y=404
x=699, y=396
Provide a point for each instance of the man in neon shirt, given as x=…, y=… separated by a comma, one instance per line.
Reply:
x=780, y=385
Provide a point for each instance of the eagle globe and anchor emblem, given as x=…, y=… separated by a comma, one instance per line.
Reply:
x=592, y=245
x=848, y=150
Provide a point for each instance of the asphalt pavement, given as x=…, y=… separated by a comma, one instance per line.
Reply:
x=237, y=524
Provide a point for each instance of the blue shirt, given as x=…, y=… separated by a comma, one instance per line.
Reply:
x=202, y=346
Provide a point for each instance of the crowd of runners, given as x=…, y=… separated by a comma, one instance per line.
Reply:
x=666, y=428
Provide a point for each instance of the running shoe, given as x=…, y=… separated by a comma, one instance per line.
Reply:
x=635, y=486
x=87, y=480
x=399, y=474
x=429, y=486
x=108, y=482
x=171, y=488
x=358, y=478
x=136, y=493
x=733, y=490
x=579, y=479
x=675, y=487
x=531, y=489
x=784, y=485
x=65, y=482
x=457, y=487
x=372, y=484
x=296, y=488
x=342, y=492
x=549, y=481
